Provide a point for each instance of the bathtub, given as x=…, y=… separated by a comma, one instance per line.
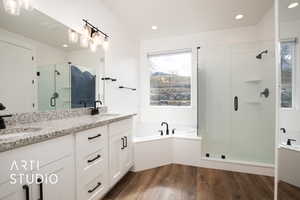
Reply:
x=152, y=150
x=289, y=159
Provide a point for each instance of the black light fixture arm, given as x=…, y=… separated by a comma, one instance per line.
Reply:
x=94, y=28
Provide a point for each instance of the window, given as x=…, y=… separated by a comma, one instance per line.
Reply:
x=288, y=66
x=170, y=79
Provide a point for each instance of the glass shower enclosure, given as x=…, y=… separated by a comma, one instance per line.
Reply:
x=236, y=118
x=65, y=86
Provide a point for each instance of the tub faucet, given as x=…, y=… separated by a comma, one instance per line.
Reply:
x=289, y=142
x=167, y=127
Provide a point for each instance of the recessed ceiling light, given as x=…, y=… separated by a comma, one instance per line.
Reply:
x=293, y=5
x=154, y=27
x=238, y=17
x=65, y=45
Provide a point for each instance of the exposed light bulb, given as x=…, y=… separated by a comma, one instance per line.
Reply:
x=293, y=5
x=84, y=41
x=105, y=43
x=86, y=31
x=97, y=38
x=93, y=46
x=12, y=7
x=73, y=36
x=27, y=4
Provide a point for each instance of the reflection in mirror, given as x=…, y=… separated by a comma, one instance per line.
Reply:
x=289, y=139
x=42, y=68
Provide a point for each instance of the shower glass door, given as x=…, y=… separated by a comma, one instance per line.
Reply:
x=239, y=124
x=214, y=100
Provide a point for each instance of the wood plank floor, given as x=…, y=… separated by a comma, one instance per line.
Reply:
x=177, y=182
x=288, y=192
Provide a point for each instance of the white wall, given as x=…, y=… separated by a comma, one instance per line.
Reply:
x=188, y=116
x=122, y=57
x=289, y=119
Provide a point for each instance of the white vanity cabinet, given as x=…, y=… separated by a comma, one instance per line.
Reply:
x=120, y=148
x=42, y=159
x=82, y=166
x=92, y=163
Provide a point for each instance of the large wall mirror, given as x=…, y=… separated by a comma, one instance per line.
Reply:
x=289, y=115
x=41, y=70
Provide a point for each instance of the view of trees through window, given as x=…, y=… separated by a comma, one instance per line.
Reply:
x=170, y=81
x=287, y=67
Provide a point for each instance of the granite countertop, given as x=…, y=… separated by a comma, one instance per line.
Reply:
x=37, y=132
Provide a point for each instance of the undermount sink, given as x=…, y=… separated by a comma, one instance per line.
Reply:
x=10, y=133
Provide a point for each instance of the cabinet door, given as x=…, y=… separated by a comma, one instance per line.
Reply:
x=116, y=148
x=16, y=191
x=50, y=189
x=127, y=157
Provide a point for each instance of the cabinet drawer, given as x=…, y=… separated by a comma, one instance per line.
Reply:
x=120, y=126
x=94, y=189
x=91, y=140
x=92, y=163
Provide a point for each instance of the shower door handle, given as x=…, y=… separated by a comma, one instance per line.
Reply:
x=52, y=101
x=236, y=103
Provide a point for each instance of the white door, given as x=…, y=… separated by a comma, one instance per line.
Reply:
x=116, y=148
x=58, y=183
x=17, y=71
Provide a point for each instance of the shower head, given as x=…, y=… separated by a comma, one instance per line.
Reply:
x=259, y=56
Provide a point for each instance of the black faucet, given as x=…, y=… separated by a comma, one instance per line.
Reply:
x=95, y=110
x=283, y=130
x=167, y=127
x=2, y=107
x=289, y=142
x=2, y=122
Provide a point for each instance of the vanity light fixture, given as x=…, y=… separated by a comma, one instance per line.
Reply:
x=96, y=36
x=293, y=5
x=90, y=36
x=93, y=46
x=73, y=36
x=84, y=41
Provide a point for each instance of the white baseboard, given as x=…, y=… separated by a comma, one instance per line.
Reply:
x=243, y=167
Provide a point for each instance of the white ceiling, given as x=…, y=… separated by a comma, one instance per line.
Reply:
x=286, y=14
x=179, y=17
